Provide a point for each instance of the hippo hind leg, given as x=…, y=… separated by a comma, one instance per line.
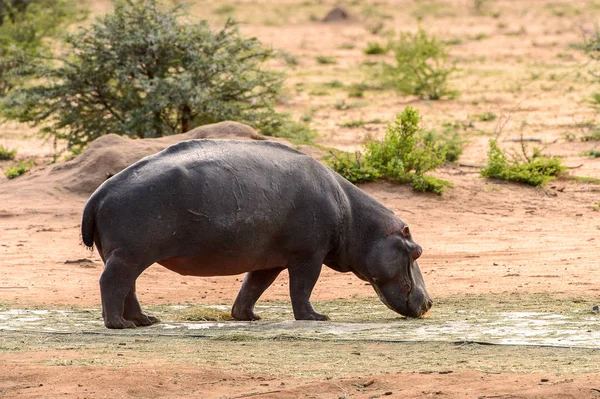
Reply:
x=255, y=283
x=303, y=278
x=132, y=310
x=116, y=284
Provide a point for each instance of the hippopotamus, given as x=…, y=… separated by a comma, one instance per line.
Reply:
x=227, y=207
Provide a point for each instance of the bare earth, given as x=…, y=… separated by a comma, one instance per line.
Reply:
x=482, y=237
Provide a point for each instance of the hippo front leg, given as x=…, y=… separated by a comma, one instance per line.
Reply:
x=303, y=278
x=255, y=283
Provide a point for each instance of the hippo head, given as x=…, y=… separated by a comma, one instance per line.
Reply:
x=392, y=269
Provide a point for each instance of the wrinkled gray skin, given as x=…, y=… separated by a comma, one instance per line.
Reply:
x=215, y=208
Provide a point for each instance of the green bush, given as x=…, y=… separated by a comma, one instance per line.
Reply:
x=593, y=135
x=486, y=116
x=18, y=169
x=353, y=167
x=325, y=59
x=144, y=71
x=593, y=153
x=535, y=170
x=421, y=69
x=374, y=48
x=402, y=156
x=6, y=154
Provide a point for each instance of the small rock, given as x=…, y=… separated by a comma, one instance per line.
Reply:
x=596, y=309
x=544, y=380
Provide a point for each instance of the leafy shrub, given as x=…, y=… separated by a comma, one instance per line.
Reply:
x=325, y=59
x=402, y=156
x=593, y=153
x=421, y=67
x=535, y=170
x=374, y=48
x=6, y=154
x=353, y=167
x=18, y=169
x=360, y=122
x=145, y=72
x=486, y=116
x=593, y=135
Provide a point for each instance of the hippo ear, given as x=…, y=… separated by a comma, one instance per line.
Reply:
x=405, y=232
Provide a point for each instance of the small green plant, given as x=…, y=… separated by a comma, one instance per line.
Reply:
x=534, y=170
x=342, y=105
x=593, y=135
x=486, y=116
x=6, y=154
x=326, y=59
x=360, y=122
x=593, y=153
x=289, y=58
x=596, y=207
x=375, y=48
x=334, y=84
x=422, y=67
x=18, y=169
x=402, y=156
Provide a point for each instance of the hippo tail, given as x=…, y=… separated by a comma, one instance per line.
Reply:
x=88, y=223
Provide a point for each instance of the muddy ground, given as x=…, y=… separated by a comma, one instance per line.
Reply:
x=513, y=270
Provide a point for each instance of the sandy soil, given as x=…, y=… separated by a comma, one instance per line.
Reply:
x=480, y=237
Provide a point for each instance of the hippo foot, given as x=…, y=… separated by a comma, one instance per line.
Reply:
x=312, y=316
x=118, y=323
x=142, y=320
x=247, y=315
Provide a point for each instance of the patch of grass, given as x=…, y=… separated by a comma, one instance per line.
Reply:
x=289, y=58
x=325, y=59
x=421, y=67
x=593, y=153
x=342, y=105
x=450, y=139
x=18, y=169
x=596, y=207
x=225, y=9
x=6, y=154
x=593, y=135
x=318, y=92
x=583, y=179
x=402, y=156
x=347, y=46
x=334, y=84
x=203, y=314
x=375, y=48
x=534, y=170
x=360, y=122
x=432, y=9
x=453, y=42
x=486, y=116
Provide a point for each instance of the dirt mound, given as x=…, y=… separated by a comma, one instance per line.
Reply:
x=110, y=154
